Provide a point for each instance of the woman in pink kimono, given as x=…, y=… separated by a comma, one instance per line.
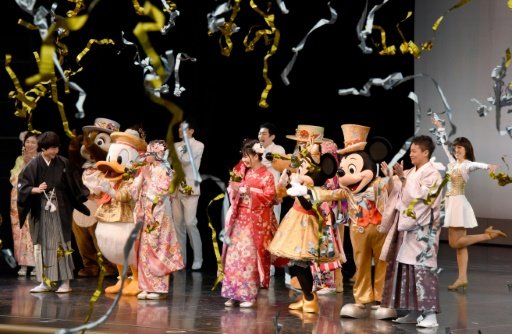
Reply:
x=249, y=229
x=158, y=250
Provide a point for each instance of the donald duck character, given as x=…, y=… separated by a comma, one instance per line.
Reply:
x=115, y=213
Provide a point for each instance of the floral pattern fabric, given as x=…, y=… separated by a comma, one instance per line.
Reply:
x=23, y=246
x=158, y=250
x=249, y=229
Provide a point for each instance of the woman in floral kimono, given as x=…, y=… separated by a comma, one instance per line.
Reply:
x=249, y=229
x=158, y=251
x=23, y=246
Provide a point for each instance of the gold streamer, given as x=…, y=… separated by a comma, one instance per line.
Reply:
x=141, y=32
x=28, y=102
x=507, y=58
x=428, y=44
x=386, y=50
x=79, y=5
x=267, y=33
x=177, y=116
x=61, y=252
x=320, y=230
x=220, y=269
x=138, y=8
x=227, y=30
x=88, y=48
x=27, y=25
x=62, y=49
x=431, y=197
x=99, y=287
x=46, y=67
x=409, y=46
x=60, y=106
x=46, y=280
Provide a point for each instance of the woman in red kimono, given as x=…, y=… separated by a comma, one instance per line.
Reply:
x=249, y=229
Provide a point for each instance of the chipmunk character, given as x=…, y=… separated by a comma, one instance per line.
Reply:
x=115, y=213
x=95, y=145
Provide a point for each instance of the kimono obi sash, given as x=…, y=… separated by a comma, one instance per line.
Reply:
x=299, y=208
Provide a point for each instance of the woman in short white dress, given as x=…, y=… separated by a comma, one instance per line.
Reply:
x=459, y=215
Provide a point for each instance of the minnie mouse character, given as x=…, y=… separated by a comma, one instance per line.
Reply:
x=297, y=237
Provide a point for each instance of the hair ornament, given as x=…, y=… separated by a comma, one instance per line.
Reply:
x=258, y=148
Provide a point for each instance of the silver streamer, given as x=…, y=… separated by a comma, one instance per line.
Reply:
x=40, y=21
x=81, y=99
x=282, y=7
x=300, y=46
x=482, y=110
x=388, y=83
x=363, y=34
x=197, y=176
x=178, y=89
x=172, y=18
x=150, y=73
x=408, y=142
x=215, y=21
x=502, y=95
x=391, y=82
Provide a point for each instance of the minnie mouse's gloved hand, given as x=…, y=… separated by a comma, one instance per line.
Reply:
x=297, y=189
x=284, y=179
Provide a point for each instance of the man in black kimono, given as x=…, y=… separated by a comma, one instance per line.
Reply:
x=49, y=188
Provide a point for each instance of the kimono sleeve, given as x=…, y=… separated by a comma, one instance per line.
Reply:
x=26, y=181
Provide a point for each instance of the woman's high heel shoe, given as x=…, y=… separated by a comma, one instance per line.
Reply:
x=492, y=233
x=458, y=284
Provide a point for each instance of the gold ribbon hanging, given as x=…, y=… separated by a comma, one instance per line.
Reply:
x=141, y=31
x=177, y=117
x=46, y=67
x=386, y=50
x=320, y=231
x=271, y=34
x=99, y=287
x=227, y=29
x=87, y=48
x=79, y=5
x=218, y=257
x=429, y=200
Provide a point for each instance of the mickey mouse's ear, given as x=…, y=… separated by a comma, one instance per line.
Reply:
x=379, y=149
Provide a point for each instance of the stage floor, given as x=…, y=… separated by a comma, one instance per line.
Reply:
x=486, y=307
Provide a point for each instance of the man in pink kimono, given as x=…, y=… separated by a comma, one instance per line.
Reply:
x=412, y=281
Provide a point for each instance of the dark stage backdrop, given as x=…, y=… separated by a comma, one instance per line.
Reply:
x=222, y=93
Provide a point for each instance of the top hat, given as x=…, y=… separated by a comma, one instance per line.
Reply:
x=103, y=125
x=307, y=133
x=355, y=137
x=131, y=138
